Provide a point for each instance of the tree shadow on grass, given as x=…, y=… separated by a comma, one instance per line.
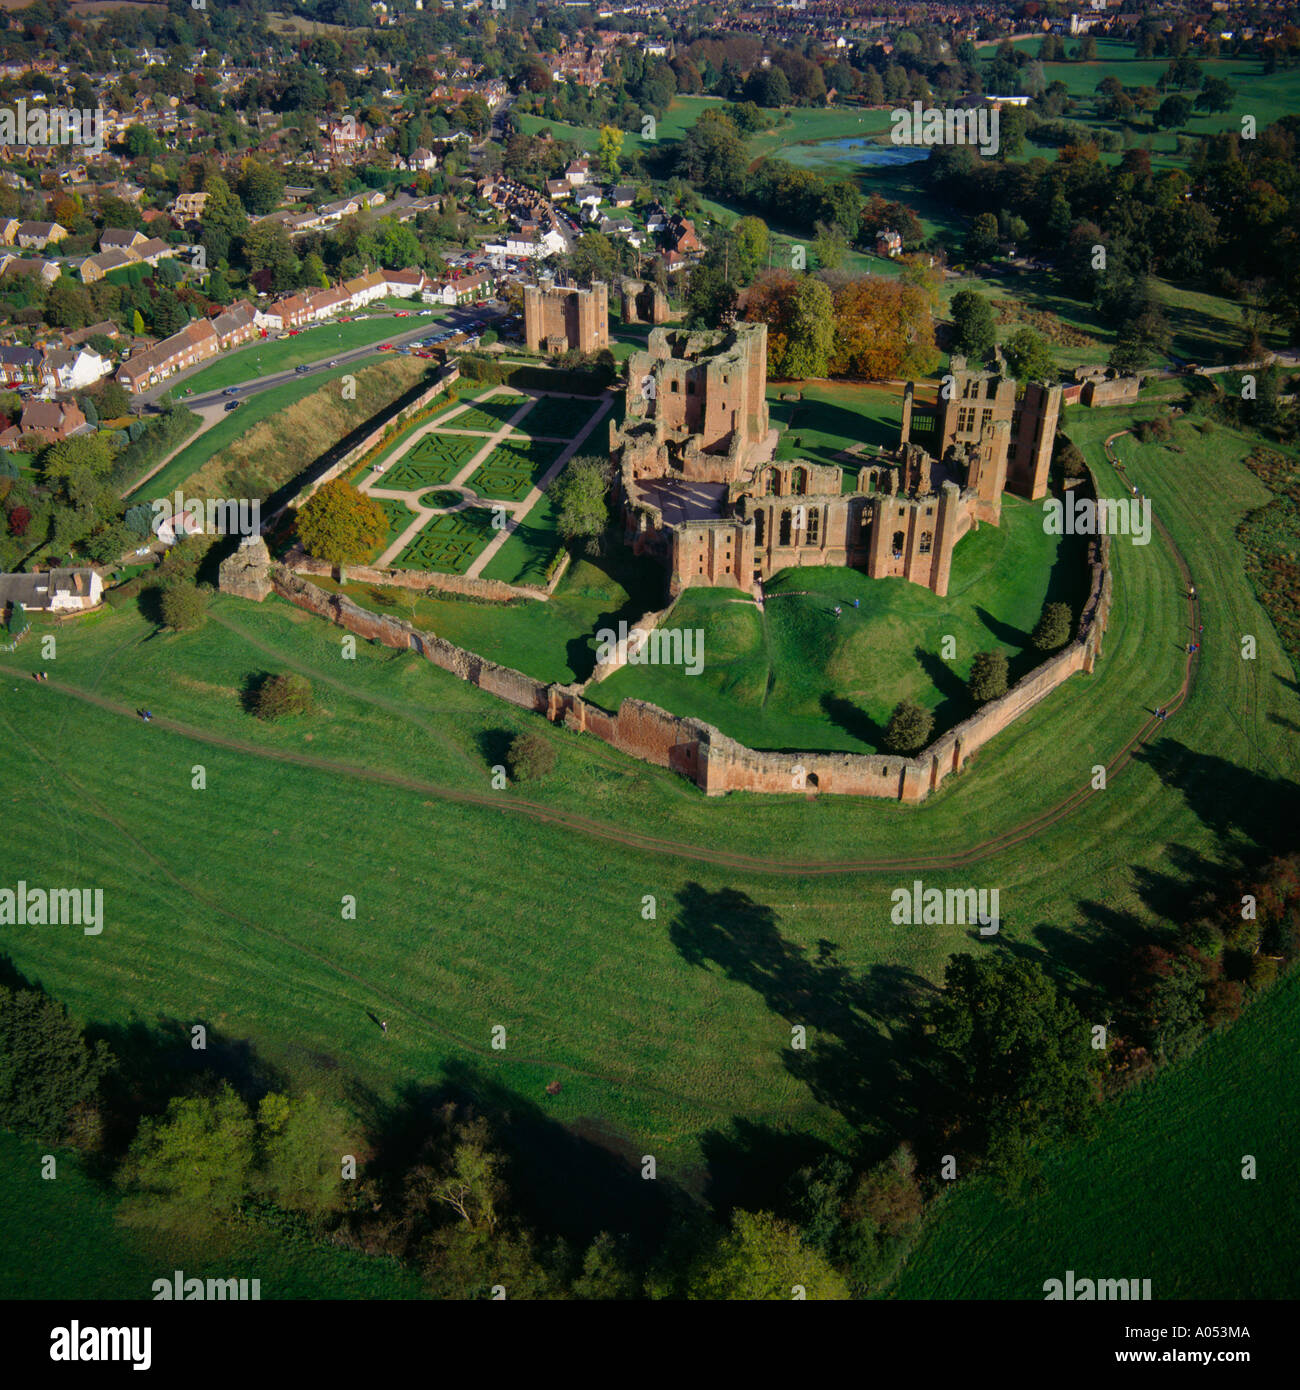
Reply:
x=494, y=745
x=860, y=1059
x=1228, y=799
x=1004, y=632
x=853, y=719
x=562, y=1180
x=956, y=703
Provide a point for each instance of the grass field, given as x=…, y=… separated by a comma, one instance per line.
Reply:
x=270, y=355
x=797, y=677
x=832, y=416
x=670, y=1036
x=550, y=641
x=1158, y=1194
x=529, y=548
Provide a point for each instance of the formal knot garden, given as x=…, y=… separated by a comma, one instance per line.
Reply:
x=464, y=492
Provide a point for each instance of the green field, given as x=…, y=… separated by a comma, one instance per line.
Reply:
x=529, y=548
x=831, y=416
x=671, y=1036
x=795, y=676
x=1158, y=1194
x=267, y=356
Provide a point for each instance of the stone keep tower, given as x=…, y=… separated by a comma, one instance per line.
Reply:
x=703, y=389
x=247, y=573
x=564, y=316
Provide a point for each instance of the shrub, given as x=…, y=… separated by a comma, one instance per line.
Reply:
x=285, y=693
x=531, y=756
x=908, y=728
x=183, y=606
x=1054, y=627
x=988, y=676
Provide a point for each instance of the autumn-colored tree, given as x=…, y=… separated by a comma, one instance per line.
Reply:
x=883, y=328
x=800, y=331
x=340, y=524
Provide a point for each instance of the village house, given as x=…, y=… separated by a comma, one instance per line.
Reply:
x=51, y=420
x=196, y=342
x=39, y=235
x=52, y=591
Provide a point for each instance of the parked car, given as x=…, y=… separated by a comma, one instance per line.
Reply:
x=233, y=405
x=302, y=367
x=334, y=361
x=385, y=347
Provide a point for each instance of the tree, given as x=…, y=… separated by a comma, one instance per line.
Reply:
x=260, y=187
x=909, y=728
x=982, y=238
x=988, y=676
x=198, y=1157
x=183, y=606
x=1172, y=112
x=581, y=508
x=974, y=332
x=281, y=694
x=829, y=247
x=300, y=1144
x=799, y=313
x=340, y=524
x=1215, y=95
x=610, y=150
x=530, y=756
x=712, y=155
x=763, y=1258
x=47, y=1069
x=1014, y=1058
x=1053, y=629
x=710, y=297
x=1028, y=356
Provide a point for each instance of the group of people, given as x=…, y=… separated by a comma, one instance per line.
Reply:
x=40, y=675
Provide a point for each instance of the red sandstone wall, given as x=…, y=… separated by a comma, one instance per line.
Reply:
x=705, y=755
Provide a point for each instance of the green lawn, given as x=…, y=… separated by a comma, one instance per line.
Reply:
x=670, y=1036
x=831, y=417
x=529, y=548
x=798, y=677
x=448, y=544
x=267, y=356
x=550, y=641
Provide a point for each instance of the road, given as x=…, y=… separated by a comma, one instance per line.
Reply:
x=404, y=331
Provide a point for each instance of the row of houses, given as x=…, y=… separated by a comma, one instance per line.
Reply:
x=205, y=338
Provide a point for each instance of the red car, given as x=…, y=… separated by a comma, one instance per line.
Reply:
x=402, y=314
x=385, y=347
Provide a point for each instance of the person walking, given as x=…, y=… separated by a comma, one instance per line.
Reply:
x=384, y=1026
